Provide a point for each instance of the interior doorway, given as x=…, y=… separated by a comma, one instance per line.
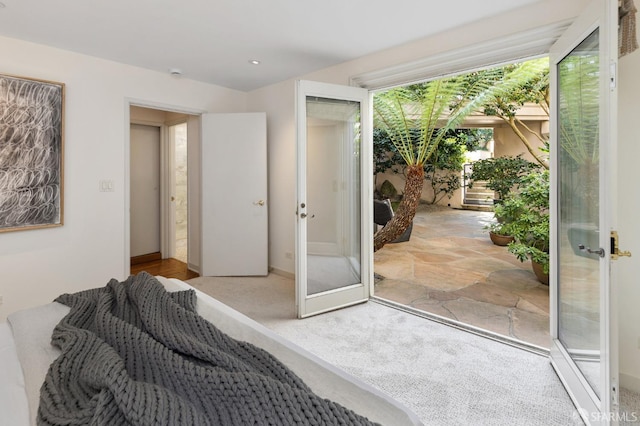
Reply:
x=161, y=186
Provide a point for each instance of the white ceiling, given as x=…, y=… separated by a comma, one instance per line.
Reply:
x=213, y=40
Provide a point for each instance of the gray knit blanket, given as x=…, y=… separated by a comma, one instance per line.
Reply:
x=135, y=354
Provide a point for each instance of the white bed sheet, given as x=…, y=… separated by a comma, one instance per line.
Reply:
x=32, y=331
x=14, y=408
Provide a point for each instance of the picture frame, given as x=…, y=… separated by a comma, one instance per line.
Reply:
x=31, y=153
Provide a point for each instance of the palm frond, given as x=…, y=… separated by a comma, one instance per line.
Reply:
x=496, y=83
x=393, y=114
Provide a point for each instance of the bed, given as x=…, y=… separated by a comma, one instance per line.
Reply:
x=26, y=357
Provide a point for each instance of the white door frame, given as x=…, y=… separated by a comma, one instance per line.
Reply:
x=128, y=103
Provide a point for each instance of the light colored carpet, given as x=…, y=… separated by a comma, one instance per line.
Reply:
x=629, y=407
x=446, y=376
x=326, y=273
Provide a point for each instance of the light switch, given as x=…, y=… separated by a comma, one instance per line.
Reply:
x=106, y=185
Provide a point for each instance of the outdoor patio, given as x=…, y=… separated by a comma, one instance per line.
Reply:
x=451, y=268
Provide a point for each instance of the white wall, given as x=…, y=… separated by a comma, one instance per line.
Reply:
x=89, y=249
x=278, y=101
x=628, y=283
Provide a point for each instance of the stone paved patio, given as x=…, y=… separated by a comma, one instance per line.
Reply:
x=451, y=268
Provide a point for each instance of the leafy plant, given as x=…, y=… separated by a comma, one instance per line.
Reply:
x=528, y=213
x=512, y=87
x=501, y=174
x=498, y=228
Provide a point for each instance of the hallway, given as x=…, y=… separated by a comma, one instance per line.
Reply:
x=169, y=268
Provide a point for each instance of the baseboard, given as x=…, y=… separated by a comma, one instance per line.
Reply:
x=282, y=273
x=146, y=258
x=193, y=268
x=629, y=382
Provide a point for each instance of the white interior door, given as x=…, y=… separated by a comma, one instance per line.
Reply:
x=334, y=258
x=234, y=195
x=583, y=148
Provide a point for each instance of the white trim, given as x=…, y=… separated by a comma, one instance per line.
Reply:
x=525, y=45
x=128, y=103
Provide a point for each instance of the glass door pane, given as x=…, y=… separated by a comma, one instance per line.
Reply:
x=333, y=194
x=579, y=205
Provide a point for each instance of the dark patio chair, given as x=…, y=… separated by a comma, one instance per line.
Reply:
x=382, y=213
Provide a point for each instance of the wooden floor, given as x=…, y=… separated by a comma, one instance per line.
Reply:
x=170, y=268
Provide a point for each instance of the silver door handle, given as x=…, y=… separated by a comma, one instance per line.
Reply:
x=599, y=252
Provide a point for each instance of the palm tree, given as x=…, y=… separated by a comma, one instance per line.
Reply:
x=433, y=108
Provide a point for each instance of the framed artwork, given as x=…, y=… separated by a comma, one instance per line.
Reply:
x=31, y=153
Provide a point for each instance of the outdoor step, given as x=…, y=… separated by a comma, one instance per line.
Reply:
x=478, y=196
x=479, y=185
x=479, y=191
x=478, y=207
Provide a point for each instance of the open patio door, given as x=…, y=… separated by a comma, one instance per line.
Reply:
x=334, y=260
x=583, y=150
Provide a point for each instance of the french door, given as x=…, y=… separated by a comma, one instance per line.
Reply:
x=334, y=261
x=583, y=147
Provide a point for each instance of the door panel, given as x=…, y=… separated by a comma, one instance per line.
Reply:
x=234, y=195
x=333, y=234
x=582, y=215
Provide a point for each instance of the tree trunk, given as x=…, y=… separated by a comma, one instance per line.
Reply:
x=406, y=211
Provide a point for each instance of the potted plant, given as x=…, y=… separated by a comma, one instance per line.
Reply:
x=501, y=174
x=499, y=234
x=504, y=214
x=529, y=222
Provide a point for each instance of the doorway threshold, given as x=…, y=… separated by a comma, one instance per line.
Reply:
x=520, y=344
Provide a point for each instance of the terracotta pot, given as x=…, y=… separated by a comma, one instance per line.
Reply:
x=539, y=271
x=500, y=240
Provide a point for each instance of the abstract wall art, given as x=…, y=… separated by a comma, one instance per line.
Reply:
x=31, y=153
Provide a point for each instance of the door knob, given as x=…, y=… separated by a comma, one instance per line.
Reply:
x=303, y=215
x=599, y=252
x=259, y=203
